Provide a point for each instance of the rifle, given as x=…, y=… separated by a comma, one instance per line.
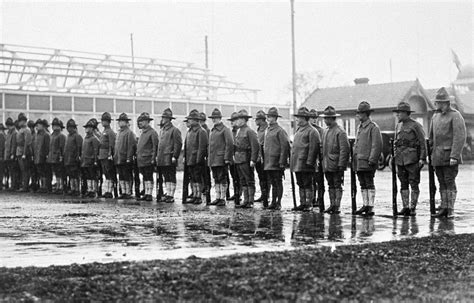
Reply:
x=394, y=179
x=353, y=178
x=431, y=180
x=320, y=177
x=293, y=189
x=185, y=177
x=159, y=183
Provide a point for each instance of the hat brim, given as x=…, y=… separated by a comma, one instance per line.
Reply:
x=212, y=117
x=248, y=117
x=364, y=111
x=123, y=119
x=402, y=110
x=329, y=116
x=145, y=119
x=169, y=117
x=297, y=115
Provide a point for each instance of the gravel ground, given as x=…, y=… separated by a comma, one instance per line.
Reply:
x=436, y=268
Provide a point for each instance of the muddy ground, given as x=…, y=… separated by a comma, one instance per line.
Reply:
x=42, y=230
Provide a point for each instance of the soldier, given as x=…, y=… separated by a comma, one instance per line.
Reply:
x=72, y=158
x=33, y=171
x=335, y=156
x=367, y=150
x=23, y=151
x=147, y=150
x=10, y=155
x=318, y=178
x=169, y=149
x=276, y=149
x=410, y=156
x=98, y=179
x=124, y=153
x=447, y=137
x=41, y=151
x=89, y=159
x=2, y=154
x=245, y=156
x=261, y=122
x=106, y=156
x=233, y=170
x=221, y=150
x=304, y=153
x=195, y=150
x=206, y=172
x=56, y=154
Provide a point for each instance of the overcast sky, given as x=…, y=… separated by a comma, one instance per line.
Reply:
x=250, y=41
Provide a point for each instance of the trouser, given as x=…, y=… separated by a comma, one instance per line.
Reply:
x=14, y=174
x=262, y=179
x=246, y=174
x=447, y=177
x=3, y=167
x=59, y=172
x=147, y=173
x=125, y=172
x=220, y=173
x=275, y=183
x=409, y=175
x=318, y=183
x=25, y=167
x=235, y=180
x=110, y=174
x=35, y=175
x=44, y=175
x=335, y=179
x=304, y=180
x=366, y=179
x=169, y=173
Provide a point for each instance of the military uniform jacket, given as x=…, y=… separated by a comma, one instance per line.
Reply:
x=410, y=146
x=72, y=149
x=90, y=150
x=107, y=143
x=368, y=146
x=245, y=145
x=10, y=145
x=41, y=147
x=169, y=145
x=147, y=148
x=125, y=146
x=261, y=139
x=276, y=147
x=195, y=146
x=2, y=146
x=335, y=149
x=305, y=149
x=447, y=137
x=56, y=147
x=23, y=142
x=221, y=145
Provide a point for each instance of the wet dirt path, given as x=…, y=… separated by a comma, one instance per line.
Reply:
x=42, y=230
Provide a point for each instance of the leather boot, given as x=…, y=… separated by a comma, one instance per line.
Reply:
x=199, y=194
x=246, y=197
x=337, y=201
x=414, y=201
x=405, y=194
x=309, y=199
x=302, y=195
x=218, y=194
x=365, y=199
x=443, y=210
x=451, y=200
x=371, y=202
x=332, y=199
x=251, y=195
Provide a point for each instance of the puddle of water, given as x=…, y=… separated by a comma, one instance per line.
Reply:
x=42, y=230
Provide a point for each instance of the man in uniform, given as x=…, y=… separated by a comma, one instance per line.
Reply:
x=89, y=159
x=206, y=172
x=169, y=149
x=246, y=151
x=367, y=150
x=318, y=177
x=10, y=155
x=2, y=154
x=147, y=150
x=276, y=149
x=124, y=153
x=41, y=152
x=56, y=154
x=233, y=169
x=106, y=156
x=410, y=156
x=304, y=153
x=23, y=151
x=34, y=173
x=72, y=157
x=261, y=122
x=447, y=137
x=195, y=150
x=335, y=156
x=221, y=149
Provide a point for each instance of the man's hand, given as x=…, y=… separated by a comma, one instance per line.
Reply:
x=421, y=163
x=252, y=164
x=453, y=161
x=23, y=157
x=173, y=160
x=110, y=158
x=227, y=162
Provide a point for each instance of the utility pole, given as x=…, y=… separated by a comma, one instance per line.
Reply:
x=133, y=63
x=293, y=61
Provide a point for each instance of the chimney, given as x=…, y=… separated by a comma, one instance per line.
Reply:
x=359, y=81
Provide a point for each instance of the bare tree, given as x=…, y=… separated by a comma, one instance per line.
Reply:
x=306, y=83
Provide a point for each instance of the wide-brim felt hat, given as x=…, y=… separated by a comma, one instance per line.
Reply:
x=313, y=113
x=302, y=112
x=71, y=123
x=2, y=126
x=89, y=124
x=193, y=115
x=123, y=117
x=9, y=122
x=273, y=112
x=233, y=116
x=260, y=115
x=22, y=117
x=167, y=113
x=144, y=117
x=364, y=107
x=329, y=112
x=106, y=117
x=39, y=121
x=442, y=95
x=31, y=123
x=403, y=107
x=216, y=113
x=243, y=114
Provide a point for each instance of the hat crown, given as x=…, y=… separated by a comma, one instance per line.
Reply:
x=313, y=113
x=45, y=122
x=22, y=116
x=56, y=122
x=303, y=111
x=404, y=106
x=234, y=116
x=273, y=111
x=260, y=115
x=32, y=123
x=144, y=116
x=167, y=113
x=106, y=116
x=364, y=106
x=216, y=113
x=71, y=123
x=39, y=121
x=330, y=112
x=194, y=114
x=243, y=113
x=123, y=116
x=9, y=121
x=442, y=95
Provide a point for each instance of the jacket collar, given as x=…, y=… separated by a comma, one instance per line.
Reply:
x=263, y=126
x=364, y=124
x=303, y=127
x=167, y=125
x=273, y=125
x=146, y=129
x=219, y=126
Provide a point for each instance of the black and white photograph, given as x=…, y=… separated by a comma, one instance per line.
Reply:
x=236, y=151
